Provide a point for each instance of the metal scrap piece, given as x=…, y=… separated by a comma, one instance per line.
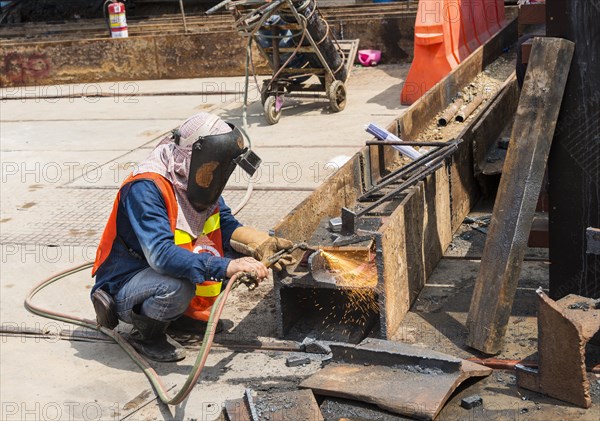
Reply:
x=564, y=328
x=250, y=403
x=378, y=372
x=294, y=405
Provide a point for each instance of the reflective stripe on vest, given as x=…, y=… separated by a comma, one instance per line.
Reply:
x=208, y=289
x=212, y=224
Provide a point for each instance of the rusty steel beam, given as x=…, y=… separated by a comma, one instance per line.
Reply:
x=416, y=228
x=518, y=192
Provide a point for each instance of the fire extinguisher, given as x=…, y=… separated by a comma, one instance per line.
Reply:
x=117, y=22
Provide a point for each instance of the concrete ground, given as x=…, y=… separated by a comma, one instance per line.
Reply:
x=62, y=161
x=64, y=152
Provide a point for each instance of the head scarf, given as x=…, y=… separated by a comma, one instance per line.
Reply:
x=172, y=161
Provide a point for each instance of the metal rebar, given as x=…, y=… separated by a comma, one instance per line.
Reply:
x=434, y=165
x=394, y=176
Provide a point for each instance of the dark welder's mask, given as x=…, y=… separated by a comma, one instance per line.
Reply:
x=214, y=158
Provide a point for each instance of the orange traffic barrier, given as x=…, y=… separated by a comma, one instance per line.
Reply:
x=491, y=16
x=446, y=32
x=452, y=13
x=479, y=20
x=434, y=56
x=467, y=22
x=500, y=11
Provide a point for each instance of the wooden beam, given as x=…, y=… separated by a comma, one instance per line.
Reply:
x=518, y=192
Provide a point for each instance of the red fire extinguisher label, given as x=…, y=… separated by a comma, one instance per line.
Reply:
x=117, y=20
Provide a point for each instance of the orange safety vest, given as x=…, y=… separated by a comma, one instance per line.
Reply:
x=210, y=242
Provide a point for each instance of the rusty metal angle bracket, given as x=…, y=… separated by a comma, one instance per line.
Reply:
x=564, y=329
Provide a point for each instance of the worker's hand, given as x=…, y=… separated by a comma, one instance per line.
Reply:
x=247, y=264
x=261, y=246
x=271, y=246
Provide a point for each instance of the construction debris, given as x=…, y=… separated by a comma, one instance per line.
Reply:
x=313, y=346
x=471, y=402
x=297, y=361
x=295, y=405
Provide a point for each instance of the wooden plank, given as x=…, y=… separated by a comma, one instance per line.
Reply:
x=519, y=188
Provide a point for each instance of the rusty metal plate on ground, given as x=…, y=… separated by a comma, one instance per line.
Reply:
x=297, y=405
x=400, y=378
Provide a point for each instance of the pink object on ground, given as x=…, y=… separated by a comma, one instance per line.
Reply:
x=369, y=57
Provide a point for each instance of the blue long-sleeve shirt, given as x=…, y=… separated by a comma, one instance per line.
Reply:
x=144, y=239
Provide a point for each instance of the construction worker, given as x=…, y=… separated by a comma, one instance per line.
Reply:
x=166, y=249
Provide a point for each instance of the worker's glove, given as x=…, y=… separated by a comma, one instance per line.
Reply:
x=261, y=246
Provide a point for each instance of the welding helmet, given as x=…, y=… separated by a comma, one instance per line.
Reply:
x=213, y=160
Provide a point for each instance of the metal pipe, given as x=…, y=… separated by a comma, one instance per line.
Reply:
x=183, y=16
x=450, y=112
x=469, y=108
x=217, y=7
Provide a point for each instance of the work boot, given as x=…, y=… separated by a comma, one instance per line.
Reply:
x=149, y=339
x=104, y=305
x=192, y=326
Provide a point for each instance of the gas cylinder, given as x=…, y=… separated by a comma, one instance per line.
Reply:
x=117, y=20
